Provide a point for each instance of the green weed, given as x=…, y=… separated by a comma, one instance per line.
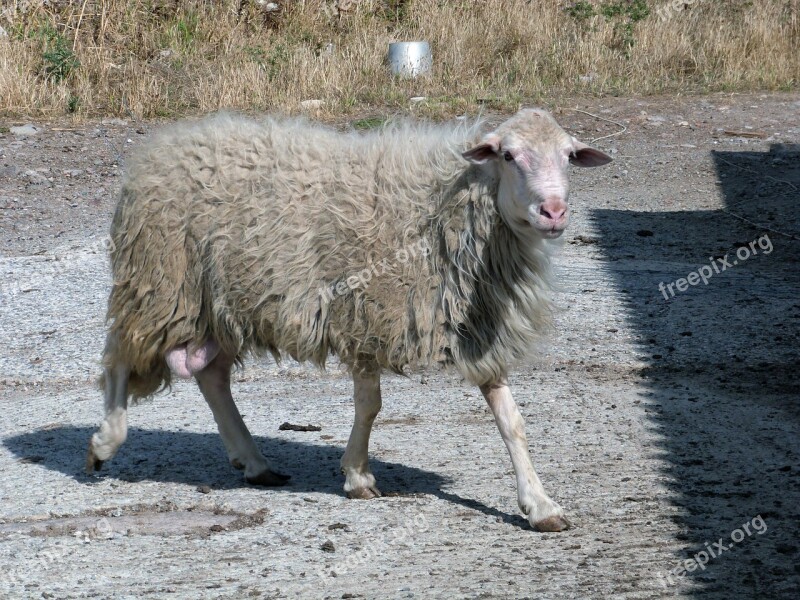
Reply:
x=369, y=123
x=59, y=59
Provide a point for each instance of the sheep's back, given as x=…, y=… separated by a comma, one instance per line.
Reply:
x=231, y=228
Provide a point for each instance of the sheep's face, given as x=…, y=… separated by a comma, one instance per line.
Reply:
x=531, y=154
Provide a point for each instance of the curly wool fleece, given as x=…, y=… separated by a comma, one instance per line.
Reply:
x=237, y=230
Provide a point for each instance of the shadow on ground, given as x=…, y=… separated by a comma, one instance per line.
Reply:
x=198, y=459
x=724, y=359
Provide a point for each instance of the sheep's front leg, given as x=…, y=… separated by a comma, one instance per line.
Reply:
x=359, y=480
x=215, y=384
x=543, y=513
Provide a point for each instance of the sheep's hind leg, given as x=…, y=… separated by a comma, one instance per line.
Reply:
x=543, y=514
x=359, y=480
x=215, y=384
x=114, y=429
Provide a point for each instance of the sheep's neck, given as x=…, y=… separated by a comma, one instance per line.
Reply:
x=494, y=284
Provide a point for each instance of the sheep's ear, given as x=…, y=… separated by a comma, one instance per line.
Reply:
x=586, y=156
x=484, y=152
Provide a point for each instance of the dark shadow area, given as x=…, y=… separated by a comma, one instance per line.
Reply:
x=199, y=459
x=724, y=369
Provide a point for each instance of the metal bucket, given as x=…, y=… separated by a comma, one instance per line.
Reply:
x=410, y=59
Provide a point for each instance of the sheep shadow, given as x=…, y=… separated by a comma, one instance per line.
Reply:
x=198, y=459
x=722, y=381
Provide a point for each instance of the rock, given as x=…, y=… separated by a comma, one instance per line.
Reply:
x=346, y=5
x=26, y=130
x=418, y=98
x=584, y=239
x=286, y=426
x=36, y=178
x=312, y=104
x=114, y=121
x=73, y=173
x=11, y=171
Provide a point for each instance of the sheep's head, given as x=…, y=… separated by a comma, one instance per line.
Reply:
x=531, y=153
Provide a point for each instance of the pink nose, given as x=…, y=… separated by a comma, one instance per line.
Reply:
x=553, y=209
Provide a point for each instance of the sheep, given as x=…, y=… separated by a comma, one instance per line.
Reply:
x=234, y=236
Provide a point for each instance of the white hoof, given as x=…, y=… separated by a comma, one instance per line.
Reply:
x=545, y=515
x=107, y=439
x=359, y=485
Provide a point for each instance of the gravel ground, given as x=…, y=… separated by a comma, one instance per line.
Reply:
x=666, y=427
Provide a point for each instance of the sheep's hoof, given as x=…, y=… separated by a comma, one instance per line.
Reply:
x=92, y=462
x=364, y=493
x=268, y=478
x=554, y=523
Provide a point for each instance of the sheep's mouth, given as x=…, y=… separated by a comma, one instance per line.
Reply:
x=551, y=234
x=546, y=230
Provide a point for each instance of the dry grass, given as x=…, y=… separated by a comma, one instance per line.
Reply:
x=167, y=57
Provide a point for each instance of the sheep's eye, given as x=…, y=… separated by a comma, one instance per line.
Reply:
x=508, y=156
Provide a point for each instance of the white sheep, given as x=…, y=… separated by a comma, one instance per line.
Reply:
x=394, y=249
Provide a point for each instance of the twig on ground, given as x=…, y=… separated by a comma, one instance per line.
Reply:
x=749, y=170
x=602, y=137
x=759, y=226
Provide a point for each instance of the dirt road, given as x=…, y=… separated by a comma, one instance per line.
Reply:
x=665, y=419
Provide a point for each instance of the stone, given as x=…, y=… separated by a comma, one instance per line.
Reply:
x=26, y=130
x=312, y=104
x=36, y=178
